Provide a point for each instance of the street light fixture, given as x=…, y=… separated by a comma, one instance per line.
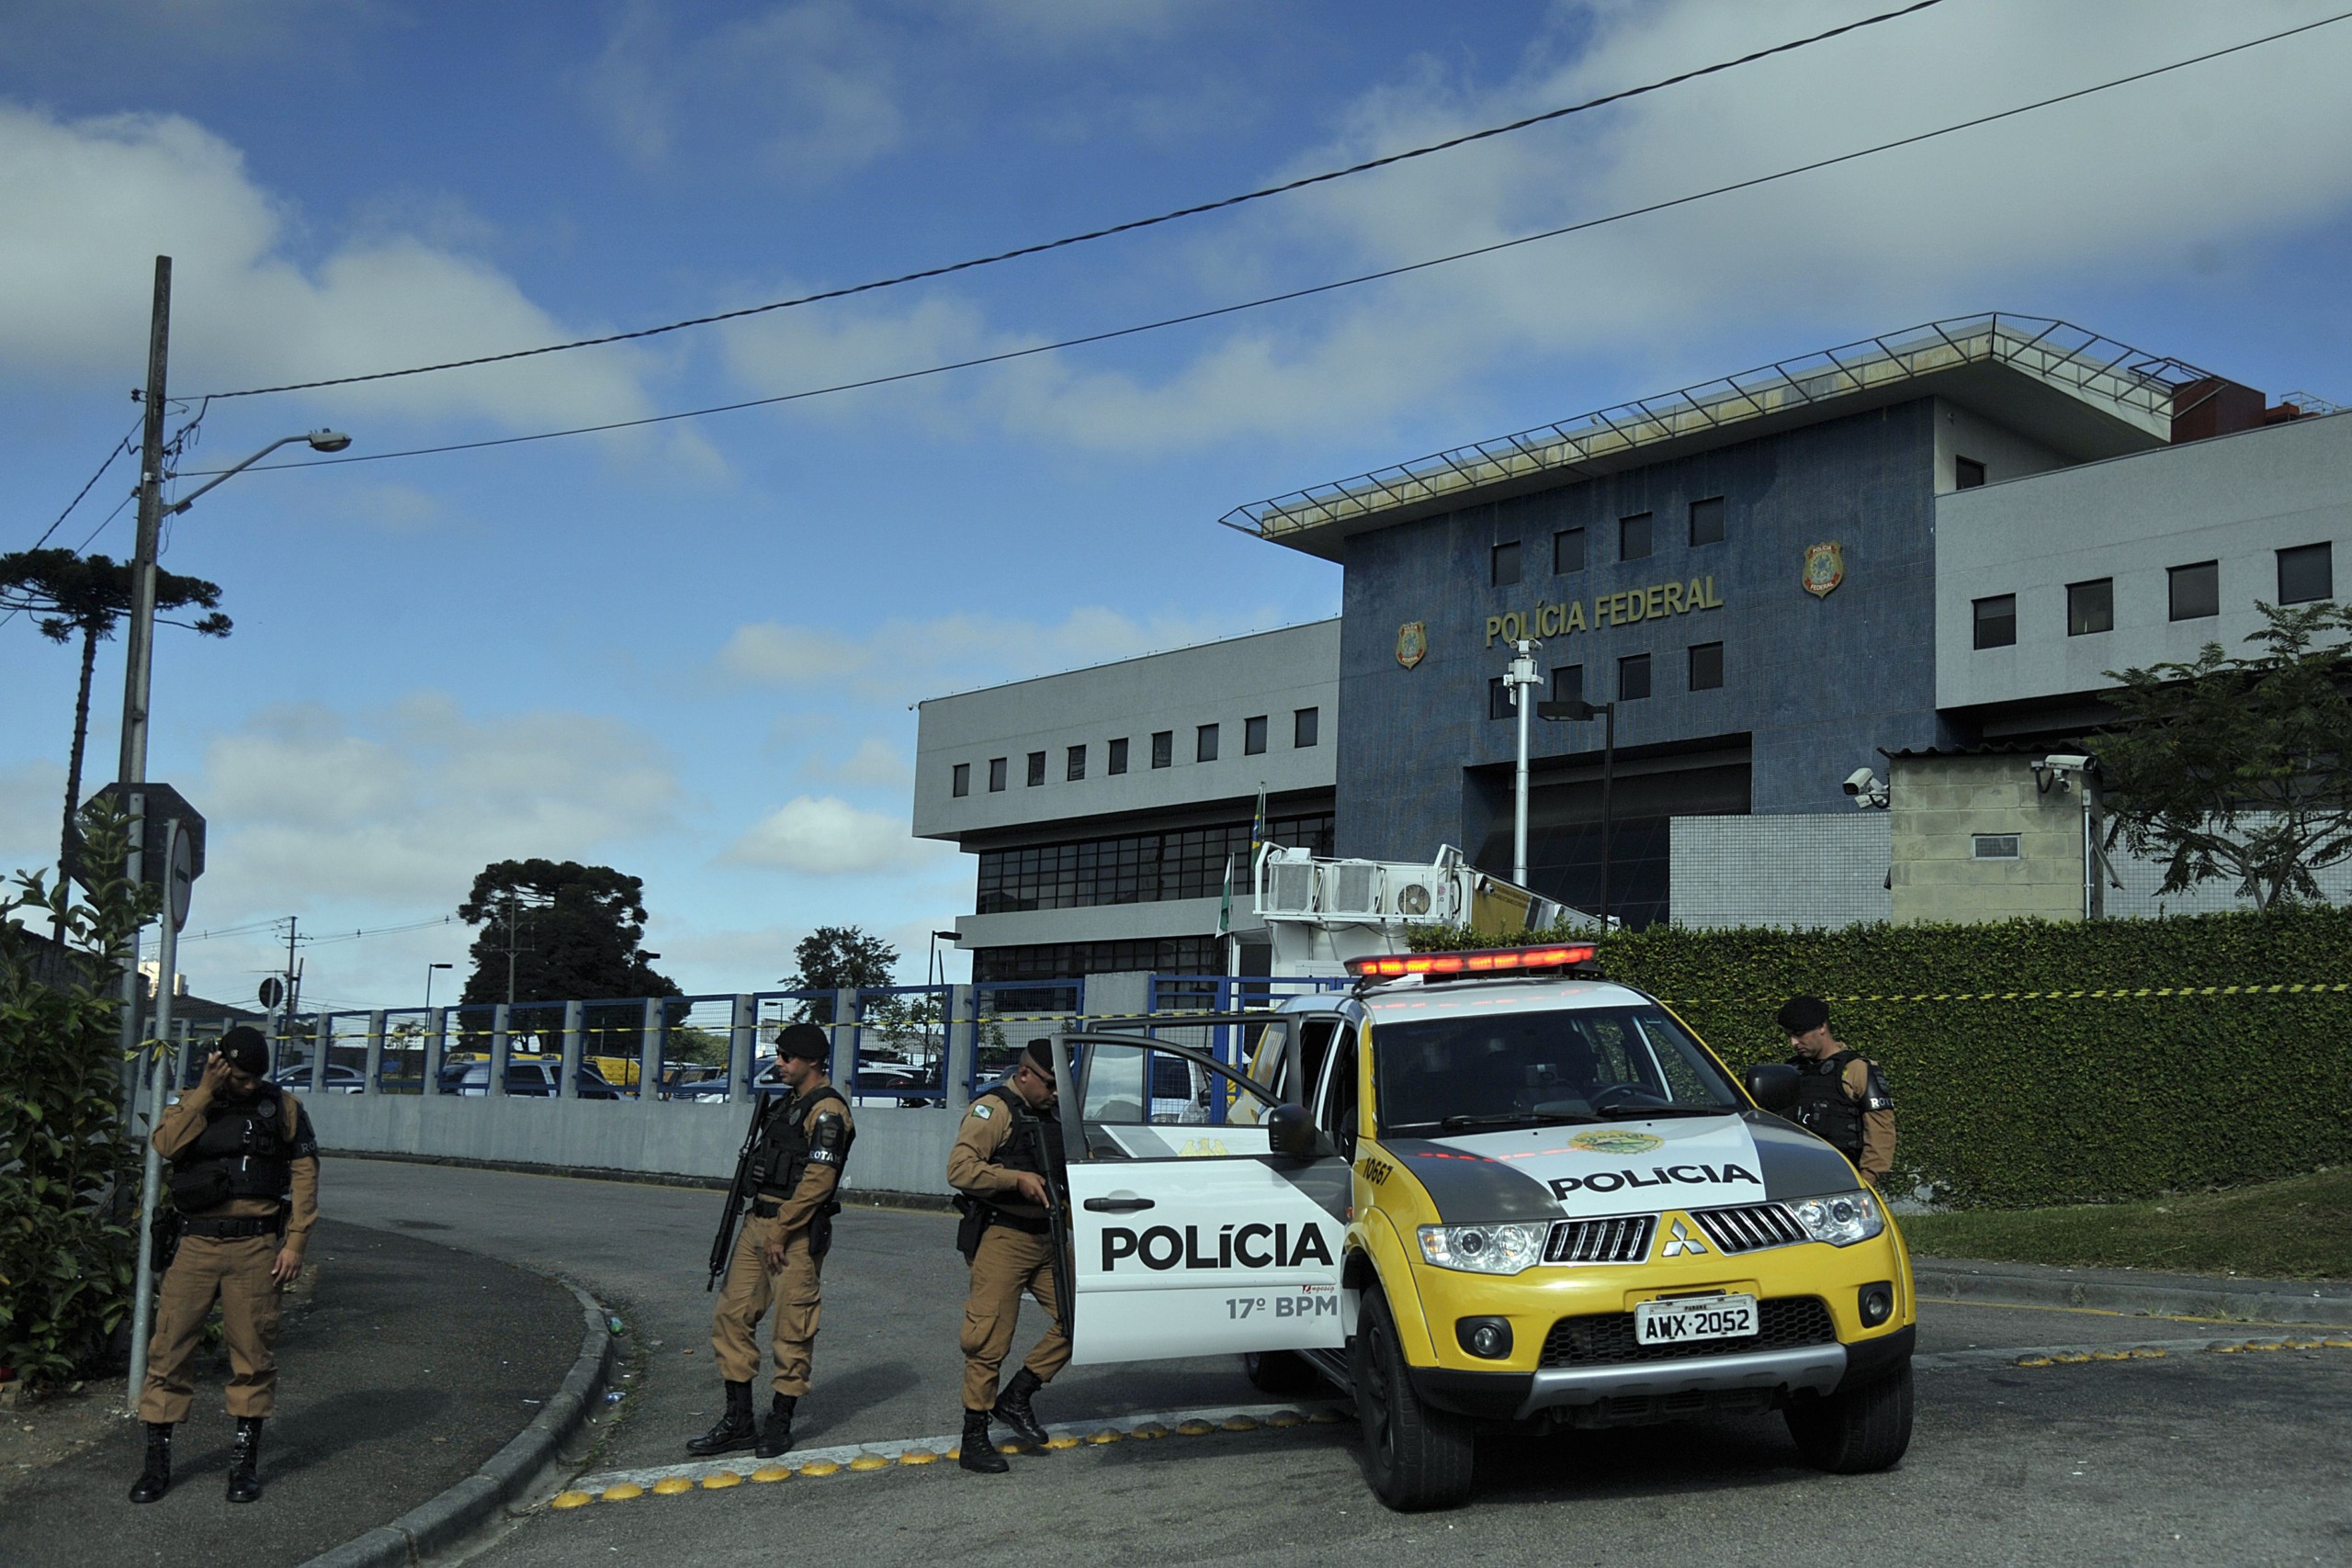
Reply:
x=1576, y=710
x=428, y=982
x=931, y=974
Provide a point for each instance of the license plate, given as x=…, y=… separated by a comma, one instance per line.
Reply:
x=1701, y=1317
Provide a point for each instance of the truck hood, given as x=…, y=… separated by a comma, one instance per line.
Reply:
x=1622, y=1168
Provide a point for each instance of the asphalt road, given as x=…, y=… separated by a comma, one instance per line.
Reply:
x=2194, y=1457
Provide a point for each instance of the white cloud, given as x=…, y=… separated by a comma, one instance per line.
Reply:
x=2131, y=184
x=874, y=762
x=904, y=661
x=90, y=201
x=826, y=836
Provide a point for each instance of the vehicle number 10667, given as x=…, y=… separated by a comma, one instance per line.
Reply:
x=1697, y=1317
x=1283, y=1306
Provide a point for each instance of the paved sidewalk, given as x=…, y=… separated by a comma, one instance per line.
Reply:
x=415, y=1364
x=2135, y=1290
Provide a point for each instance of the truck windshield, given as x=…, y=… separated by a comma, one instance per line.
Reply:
x=1498, y=1068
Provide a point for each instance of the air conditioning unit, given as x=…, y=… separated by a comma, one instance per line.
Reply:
x=1350, y=888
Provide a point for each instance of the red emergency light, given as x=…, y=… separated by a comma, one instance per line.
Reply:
x=1483, y=962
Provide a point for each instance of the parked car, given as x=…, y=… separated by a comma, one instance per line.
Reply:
x=531, y=1079
x=340, y=1080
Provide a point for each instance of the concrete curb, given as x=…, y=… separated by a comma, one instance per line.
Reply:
x=435, y=1525
x=2017, y=1284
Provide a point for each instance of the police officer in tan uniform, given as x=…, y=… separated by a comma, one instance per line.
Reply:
x=244, y=1179
x=1008, y=1164
x=797, y=1158
x=1842, y=1098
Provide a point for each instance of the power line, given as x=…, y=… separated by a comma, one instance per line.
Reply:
x=1126, y=228
x=1309, y=292
x=119, y=448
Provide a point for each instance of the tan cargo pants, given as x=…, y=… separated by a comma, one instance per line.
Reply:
x=1008, y=1263
x=237, y=1272
x=749, y=1291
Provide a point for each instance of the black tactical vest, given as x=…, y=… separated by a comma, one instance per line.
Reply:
x=786, y=1149
x=246, y=1150
x=1035, y=1144
x=1823, y=1107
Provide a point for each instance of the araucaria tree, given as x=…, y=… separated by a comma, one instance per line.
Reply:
x=560, y=930
x=833, y=958
x=2239, y=767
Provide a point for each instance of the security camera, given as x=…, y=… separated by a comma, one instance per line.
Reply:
x=1864, y=786
x=2056, y=770
x=1860, y=779
x=2066, y=763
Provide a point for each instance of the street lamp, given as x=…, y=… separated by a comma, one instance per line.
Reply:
x=1521, y=677
x=931, y=974
x=1576, y=710
x=428, y=982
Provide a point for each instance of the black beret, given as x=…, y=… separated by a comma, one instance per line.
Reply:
x=1039, y=1053
x=1802, y=1015
x=247, y=1049
x=804, y=1040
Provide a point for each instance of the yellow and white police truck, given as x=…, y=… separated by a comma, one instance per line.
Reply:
x=1486, y=1190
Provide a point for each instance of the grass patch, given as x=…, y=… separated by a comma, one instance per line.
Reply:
x=2297, y=1229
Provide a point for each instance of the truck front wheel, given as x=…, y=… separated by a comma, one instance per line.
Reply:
x=1855, y=1430
x=1419, y=1457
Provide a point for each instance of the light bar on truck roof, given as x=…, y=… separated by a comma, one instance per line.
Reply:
x=1486, y=961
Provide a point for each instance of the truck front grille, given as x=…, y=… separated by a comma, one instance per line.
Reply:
x=1625, y=1239
x=1606, y=1339
x=1750, y=1228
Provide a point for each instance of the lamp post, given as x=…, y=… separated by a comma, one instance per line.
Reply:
x=428, y=982
x=931, y=974
x=1576, y=710
x=1520, y=679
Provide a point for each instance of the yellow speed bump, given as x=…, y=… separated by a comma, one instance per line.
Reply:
x=1150, y=1429
x=2033, y=1361
x=919, y=1455
x=2110, y=1355
x=1195, y=1428
x=572, y=1499
x=869, y=1462
x=820, y=1467
x=2150, y=1354
x=621, y=1493
x=2265, y=1345
x=1286, y=1419
x=773, y=1473
x=671, y=1485
x=1238, y=1423
x=1107, y=1435
x=721, y=1480
x=2303, y=1343
x=1061, y=1442
x=2226, y=1347
x=2072, y=1358
x=2338, y=1344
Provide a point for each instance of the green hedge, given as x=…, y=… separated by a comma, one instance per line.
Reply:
x=2013, y=1090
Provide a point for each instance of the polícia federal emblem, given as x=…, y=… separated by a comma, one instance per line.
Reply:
x=1412, y=643
x=1824, y=568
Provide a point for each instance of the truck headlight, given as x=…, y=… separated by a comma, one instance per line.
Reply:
x=1485, y=1250
x=1841, y=1219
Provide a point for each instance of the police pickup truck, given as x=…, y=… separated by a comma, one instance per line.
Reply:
x=1503, y=1195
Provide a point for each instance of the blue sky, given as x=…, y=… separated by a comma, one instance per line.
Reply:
x=689, y=651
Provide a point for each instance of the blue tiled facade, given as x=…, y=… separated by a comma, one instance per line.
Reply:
x=1811, y=686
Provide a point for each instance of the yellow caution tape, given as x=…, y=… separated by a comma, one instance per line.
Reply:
x=2117, y=993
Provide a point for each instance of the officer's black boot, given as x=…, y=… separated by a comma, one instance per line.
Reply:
x=978, y=1454
x=735, y=1429
x=1012, y=1409
x=156, y=1478
x=775, y=1438
x=244, y=1461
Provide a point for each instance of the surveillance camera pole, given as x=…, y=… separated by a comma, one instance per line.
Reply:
x=1520, y=679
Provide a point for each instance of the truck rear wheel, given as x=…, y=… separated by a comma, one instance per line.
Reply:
x=1855, y=1430
x=1283, y=1373
x=1418, y=1457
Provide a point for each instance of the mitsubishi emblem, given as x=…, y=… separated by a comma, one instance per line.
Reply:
x=1678, y=1240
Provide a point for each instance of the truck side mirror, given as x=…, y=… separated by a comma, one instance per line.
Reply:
x=1772, y=1085
x=1290, y=1132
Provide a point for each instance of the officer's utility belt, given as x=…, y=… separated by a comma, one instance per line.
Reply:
x=766, y=1208
x=1039, y=1227
x=237, y=1229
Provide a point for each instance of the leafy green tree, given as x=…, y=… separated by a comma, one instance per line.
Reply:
x=69, y=596
x=833, y=958
x=66, y=1260
x=2239, y=767
x=575, y=931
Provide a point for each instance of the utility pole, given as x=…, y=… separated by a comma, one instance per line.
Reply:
x=513, y=941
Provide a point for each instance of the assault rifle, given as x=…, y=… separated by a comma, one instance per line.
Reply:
x=739, y=1192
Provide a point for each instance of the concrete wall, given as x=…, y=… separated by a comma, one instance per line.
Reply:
x=1224, y=684
x=1816, y=871
x=1819, y=684
x=899, y=1150
x=2235, y=498
x=1940, y=804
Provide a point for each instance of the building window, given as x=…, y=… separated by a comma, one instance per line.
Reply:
x=1633, y=536
x=1036, y=769
x=1997, y=846
x=1499, y=703
x=1118, y=762
x=1135, y=868
x=1996, y=621
x=1706, y=665
x=1204, y=743
x=996, y=774
x=963, y=785
x=1506, y=565
x=1567, y=683
x=1306, y=727
x=1253, y=735
x=2196, y=590
x=2090, y=606
x=1567, y=550
x=1967, y=473
x=1707, y=521
x=2306, y=573
x=1163, y=748
x=1076, y=769
x=1634, y=678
